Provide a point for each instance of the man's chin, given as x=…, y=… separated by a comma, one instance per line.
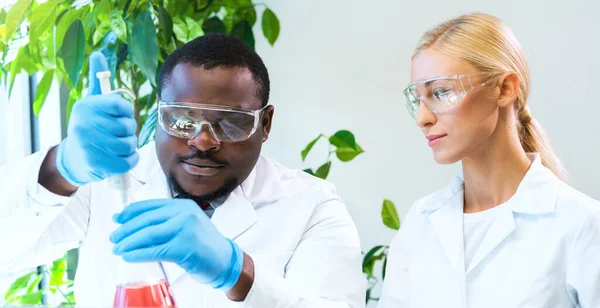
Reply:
x=202, y=188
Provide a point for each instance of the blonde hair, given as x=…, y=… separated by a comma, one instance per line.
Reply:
x=486, y=43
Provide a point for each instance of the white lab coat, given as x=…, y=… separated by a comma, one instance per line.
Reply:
x=304, y=244
x=542, y=250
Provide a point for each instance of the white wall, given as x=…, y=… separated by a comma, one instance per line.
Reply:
x=344, y=64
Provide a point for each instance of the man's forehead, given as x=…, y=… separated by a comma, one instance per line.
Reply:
x=221, y=85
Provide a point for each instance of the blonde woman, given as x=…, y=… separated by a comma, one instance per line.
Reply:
x=508, y=231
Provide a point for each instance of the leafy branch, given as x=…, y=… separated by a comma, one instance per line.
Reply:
x=57, y=37
x=345, y=147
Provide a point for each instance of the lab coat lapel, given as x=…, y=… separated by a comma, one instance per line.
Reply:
x=447, y=221
x=536, y=195
x=235, y=215
x=156, y=188
x=501, y=228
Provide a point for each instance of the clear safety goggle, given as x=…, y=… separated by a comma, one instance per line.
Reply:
x=440, y=94
x=225, y=124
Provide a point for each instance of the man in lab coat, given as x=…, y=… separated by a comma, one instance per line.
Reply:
x=232, y=228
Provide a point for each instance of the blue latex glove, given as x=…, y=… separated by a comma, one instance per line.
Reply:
x=101, y=139
x=178, y=231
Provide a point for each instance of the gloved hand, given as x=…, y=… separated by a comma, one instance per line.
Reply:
x=178, y=231
x=101, y=139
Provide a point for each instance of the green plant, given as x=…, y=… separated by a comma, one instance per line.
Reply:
x=61, y=35
x=56, y=37
x=25, y=290
x=344, y=145
x=379, y=253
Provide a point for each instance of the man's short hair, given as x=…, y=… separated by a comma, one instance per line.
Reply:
x=218, y=50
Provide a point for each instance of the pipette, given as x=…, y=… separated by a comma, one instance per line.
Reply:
x=118, y=182
x=121, y=184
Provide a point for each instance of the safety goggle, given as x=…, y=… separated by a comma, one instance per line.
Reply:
x=225, y=124
x=440, y=94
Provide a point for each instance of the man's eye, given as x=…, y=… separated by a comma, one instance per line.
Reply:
x=183, y=124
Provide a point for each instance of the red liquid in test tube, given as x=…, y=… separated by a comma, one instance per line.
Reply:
x=144, y=294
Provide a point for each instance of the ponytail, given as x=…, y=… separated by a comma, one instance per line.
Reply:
x=533, y=139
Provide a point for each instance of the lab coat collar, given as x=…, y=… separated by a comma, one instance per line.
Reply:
x=234, y=216
x=535, y=195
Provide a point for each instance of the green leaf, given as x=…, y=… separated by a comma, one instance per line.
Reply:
x=51, y=48
x=35, y=283
x=247, y=13
x=270, y=26
x=104, y=10
x=166, y=24
x=2, y=16
x=347, y=154
x=384, y=267
x=73, y=97
x=180, y=29
x=42, y=18
x=89, y=19
x=243, y=31
x=101, y=32
x=126, y=8
x=214, y=25
x=15, y=16
x=57, y=272
x=109, y=53
x=309, y=171
x=323, y=171
x=149, y=128
x=72, y=262
x=389, y=215
x=118, y=25
x=19, y=284
x=195, y=30
x=15, y=69
x=72, y=51
x=369, y=260
x=309, y=147
x=64, y=23
x=343, y=139
x=27, y=62
x=202, y=4
x=33, y=298
x=144, y=48
x=41, y=91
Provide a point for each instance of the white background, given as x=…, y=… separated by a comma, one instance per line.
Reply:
x=343, y=65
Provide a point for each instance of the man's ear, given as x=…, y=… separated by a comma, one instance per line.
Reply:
x=509, y=85
x=266, y=122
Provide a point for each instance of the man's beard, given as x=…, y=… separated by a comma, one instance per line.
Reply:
x=223, y=191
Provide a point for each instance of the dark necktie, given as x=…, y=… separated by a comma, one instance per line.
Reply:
x=203, y=206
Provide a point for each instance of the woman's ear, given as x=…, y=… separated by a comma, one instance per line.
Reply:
x=509, y=89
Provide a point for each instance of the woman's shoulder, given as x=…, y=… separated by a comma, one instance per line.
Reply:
x=575, y=205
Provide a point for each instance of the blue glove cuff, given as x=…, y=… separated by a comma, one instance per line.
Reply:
x=235, y=269
x=60, y=166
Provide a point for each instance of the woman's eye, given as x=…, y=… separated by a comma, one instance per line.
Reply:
x=440, y=93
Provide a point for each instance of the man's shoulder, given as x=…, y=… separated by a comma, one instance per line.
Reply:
x=292, y=181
